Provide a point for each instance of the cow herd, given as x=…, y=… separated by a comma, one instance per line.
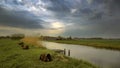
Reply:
x=43, y=57
x=25, y=47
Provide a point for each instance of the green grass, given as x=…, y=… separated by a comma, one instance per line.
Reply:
x=13, y=56
x=99, y=43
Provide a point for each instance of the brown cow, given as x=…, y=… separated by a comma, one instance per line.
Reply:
x=49, y=57
x=45, y=57
x=25, y=47
x=21, y=43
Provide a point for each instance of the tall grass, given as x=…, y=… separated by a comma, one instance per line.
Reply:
x=32, y=41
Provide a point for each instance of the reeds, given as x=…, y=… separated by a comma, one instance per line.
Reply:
x=32, y=41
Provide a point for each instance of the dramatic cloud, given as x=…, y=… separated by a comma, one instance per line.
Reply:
x=82, y=18
x=21, y=19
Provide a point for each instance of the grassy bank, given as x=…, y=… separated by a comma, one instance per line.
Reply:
x=13, y=56
x=99, y=43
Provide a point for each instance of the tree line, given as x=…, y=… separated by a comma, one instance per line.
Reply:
x=13, y=36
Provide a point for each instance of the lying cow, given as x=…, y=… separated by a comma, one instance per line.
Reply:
x=21, y=43
x=49, y=57
x=25, y=47
x=45, y=57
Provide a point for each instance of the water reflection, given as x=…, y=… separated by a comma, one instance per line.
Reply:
x=101, y=57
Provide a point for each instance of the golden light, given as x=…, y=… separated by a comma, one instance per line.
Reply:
x=57, y=25
x=57, y=28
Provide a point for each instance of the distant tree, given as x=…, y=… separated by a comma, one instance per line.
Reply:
x=17, y=36
x=69, y=38
x=59, y=38
x=96, y=38
x=7, y=36
x=1, y=37
x=4, y=37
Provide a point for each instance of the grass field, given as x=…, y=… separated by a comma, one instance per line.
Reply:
x=13, y=56
x=99, y=43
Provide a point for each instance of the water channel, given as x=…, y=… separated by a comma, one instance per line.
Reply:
x=103, y=58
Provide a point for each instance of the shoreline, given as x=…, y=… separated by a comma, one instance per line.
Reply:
x=91, y=44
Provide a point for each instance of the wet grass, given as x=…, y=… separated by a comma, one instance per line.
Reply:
x=102, y=43
x=13, y=56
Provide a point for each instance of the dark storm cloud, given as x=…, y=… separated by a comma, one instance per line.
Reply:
x=20, y=19
x=59, y=5
x=101, y=17
x=97, y=16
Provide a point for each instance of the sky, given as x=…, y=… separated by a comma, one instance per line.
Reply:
x=77, y=18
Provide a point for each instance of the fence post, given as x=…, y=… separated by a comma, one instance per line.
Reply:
x=68, y=52
x=64, y=51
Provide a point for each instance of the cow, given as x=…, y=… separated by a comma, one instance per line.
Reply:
x=25, y=47
x=21, y=43
x=49, y=57
x=45, y=57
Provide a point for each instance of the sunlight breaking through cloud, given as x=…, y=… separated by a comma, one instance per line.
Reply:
x=97, y=15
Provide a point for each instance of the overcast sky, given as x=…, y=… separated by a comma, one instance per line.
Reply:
x=78, y=18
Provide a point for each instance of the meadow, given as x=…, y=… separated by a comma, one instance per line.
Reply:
x=98, y=43
x=13, y=56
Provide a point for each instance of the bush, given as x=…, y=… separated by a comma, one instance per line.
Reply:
x=17, y=36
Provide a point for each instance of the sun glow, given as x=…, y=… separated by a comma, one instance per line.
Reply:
x=57, y=25
x=56, y=28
